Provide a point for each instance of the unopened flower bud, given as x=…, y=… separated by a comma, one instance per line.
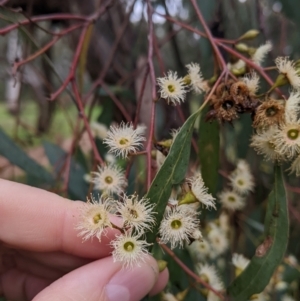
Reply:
x=188, y=198
x=212, y=80
x=281, y=80
x=162, y=264
x=239, y=72
x=250, y=34
x=242, y=47
x=166, y=143
x=181, y=295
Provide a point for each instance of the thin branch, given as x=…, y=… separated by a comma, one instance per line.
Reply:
x=190, y=272
x=209, y=35
x=11, y=27
x=86, y=123
x=43, y=49
x=153, y=91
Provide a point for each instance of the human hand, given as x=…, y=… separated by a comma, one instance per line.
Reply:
x=44, y=259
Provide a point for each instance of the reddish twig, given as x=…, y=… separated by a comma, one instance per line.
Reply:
x=209, y=35
x=71, y=75
x=86, y=123
x=116, y=101
x=11, y=27
x=190, y=272
x=113, y=51
x=43, y=49
x=153, y=92
x=252, y=65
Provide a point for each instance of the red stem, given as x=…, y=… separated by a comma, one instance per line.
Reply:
x=86, y=123
x=116, y=101
x=209, y=35
x=153, y=92
x=190, y=272
x=43, y=49
x=11, y=27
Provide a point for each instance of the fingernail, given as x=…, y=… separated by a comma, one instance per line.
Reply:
x=132, y=284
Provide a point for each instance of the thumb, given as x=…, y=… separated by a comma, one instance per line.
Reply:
x=103, y=280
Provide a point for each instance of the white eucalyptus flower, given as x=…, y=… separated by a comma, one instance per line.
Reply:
x=94, y=218
x=200, y=191
x=209, y=274
x=240, y=262
x=264, y=144
x=295, y=167
x=109, y=178
x=231, y=200
x=252, y=82
x=241, y=181
x=136, y=213
x=287, y=140
x=287, y=68
x=129, y=249
x=124, y=139
x=195, y=78
x=178, y=226
x=218, y=241
x=261, y=52
x=292, y=107
x=172, y=88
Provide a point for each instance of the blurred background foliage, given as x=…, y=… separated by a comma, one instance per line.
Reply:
x=36, y=135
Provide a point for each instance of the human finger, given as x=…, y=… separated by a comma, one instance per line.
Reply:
x=58, y=260
x=38, y=220
x=101, y=280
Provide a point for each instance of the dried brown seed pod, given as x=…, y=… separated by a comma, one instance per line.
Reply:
x=270, y=112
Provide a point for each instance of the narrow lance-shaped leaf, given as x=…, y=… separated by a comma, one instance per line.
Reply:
x=15, y=155
x=270, y=253
x=172, y=172
x=209, y=145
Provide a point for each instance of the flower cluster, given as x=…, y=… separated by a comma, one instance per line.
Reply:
x=215, y=240
x=136, y=215
x=242, y=183
x=240, y=262
x=278, y=137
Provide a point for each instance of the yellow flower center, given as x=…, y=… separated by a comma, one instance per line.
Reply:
x=134, y=213
x=108, y=180
x=123, y=141
x=240, y=182
x=171, y=88
x=176, y=224
x=231, y=199
x=128, y=246
x=271, y=145
x=97, y=218
x=293, y=134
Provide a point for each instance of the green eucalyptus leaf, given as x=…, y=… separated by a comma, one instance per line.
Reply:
x=270, y=253
x=172, y=172
x=209, y=145
x=77, y=187
x=15, y=155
